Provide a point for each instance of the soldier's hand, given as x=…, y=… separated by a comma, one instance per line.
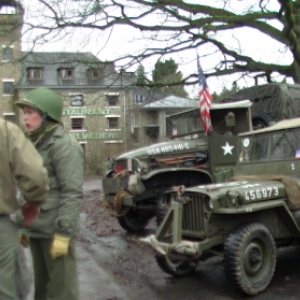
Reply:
x=30, y=214
x=60, y=246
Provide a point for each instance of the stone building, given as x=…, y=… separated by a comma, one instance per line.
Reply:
x=11, y=23
x=148, y=114
x=95, y=97
x=103, y=108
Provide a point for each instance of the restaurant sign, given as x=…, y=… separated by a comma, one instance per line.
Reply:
x=85, y=112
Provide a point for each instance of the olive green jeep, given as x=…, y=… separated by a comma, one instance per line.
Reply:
x=133, y=190
x=244, y=220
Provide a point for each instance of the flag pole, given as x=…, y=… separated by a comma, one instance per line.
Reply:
x=205, y=99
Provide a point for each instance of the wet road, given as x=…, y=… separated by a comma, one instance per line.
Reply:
x=135, y=275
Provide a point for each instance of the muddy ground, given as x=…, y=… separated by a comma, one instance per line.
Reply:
x=113, y=266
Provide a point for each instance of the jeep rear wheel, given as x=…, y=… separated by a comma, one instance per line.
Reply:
x=176, y=267
x=250, y=258
x=133, y=221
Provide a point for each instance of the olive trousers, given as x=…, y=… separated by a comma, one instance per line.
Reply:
x=9, y=245
x=54, y=279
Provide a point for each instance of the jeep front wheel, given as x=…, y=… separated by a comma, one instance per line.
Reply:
x=133, y=221
x=176, y=267
x=250, y=258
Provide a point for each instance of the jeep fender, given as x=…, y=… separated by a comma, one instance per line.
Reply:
x=280, y=207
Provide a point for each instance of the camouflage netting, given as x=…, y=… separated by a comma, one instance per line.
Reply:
x=291, y=187
x=280, y=101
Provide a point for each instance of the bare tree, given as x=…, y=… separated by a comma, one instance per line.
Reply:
x=177, y=26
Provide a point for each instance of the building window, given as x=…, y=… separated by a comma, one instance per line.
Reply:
x=139, y=99
x=77, y=123
x=8, y=87
x=67, y=73
x=95, y=74
x=77, y=100
x=112, y=123
x=35, y=73
x=10, y=117
x=112, y=100
x=7, y=10
x=7, y=54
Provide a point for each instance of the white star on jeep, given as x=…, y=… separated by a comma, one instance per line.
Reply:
x=227, y=149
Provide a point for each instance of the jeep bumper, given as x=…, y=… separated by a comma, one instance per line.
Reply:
x=183, y=247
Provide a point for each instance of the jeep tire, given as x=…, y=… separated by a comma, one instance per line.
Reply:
x=250, y=258
x=133, y=221
x=262, y=120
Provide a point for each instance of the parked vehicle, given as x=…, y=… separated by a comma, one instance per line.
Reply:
x=243, y=220
x=133, y=191
x=272, y=102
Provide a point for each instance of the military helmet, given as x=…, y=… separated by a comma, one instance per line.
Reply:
x=45, y=101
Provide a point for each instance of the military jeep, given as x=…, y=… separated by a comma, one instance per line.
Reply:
x=133, y=191
x=243, y=220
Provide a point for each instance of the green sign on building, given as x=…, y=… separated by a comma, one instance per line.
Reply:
x=98, y=136
x=85, y=112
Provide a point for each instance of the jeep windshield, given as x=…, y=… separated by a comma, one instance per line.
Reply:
x=268, y=147
x=273, y=146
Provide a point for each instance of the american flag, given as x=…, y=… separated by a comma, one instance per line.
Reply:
x=205, y=100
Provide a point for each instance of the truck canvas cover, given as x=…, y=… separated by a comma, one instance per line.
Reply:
x=279, y=100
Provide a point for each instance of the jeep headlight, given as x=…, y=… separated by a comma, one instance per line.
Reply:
x=208, y=204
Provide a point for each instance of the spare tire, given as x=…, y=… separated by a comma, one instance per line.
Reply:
x=262, y=120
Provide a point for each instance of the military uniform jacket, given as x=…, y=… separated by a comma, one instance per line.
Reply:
x=20, y=164
x=63, y=158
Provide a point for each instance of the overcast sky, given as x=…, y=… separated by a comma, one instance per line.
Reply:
x=123, y=40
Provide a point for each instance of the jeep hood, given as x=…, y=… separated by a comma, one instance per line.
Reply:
x=167, y=148
x=250, y=191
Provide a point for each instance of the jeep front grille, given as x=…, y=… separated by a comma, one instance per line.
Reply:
x=193, y=216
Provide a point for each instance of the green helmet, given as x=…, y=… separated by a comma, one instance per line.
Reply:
x=44, y=100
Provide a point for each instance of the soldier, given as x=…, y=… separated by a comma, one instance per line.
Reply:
x=20, y=164
x=108, y=165
x=114, y=163
x=51, y=238
x=229, y=123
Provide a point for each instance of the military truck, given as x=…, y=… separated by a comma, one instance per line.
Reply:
x=272, y=102
x=243, y=220
x=133, y=191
